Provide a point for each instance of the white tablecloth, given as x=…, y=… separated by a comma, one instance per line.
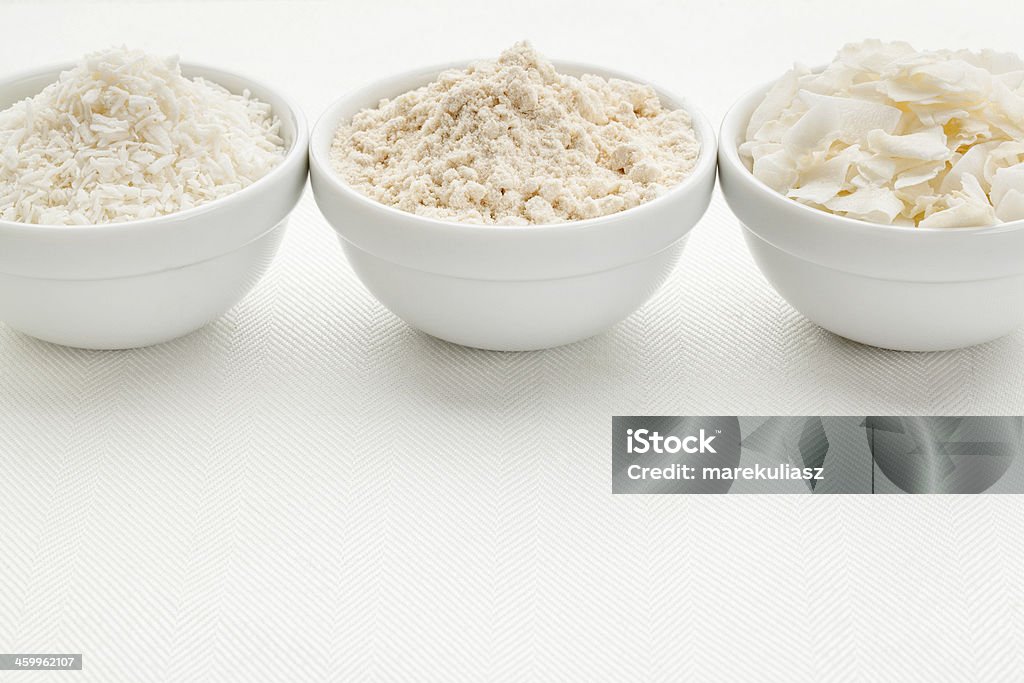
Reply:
x=310, y=490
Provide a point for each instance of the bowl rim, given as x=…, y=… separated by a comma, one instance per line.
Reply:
x=734, y=127
x=298, y=148
x=319, y=155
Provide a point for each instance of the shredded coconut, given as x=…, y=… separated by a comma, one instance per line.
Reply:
x=891, y=135
x=124, y=136
x=512, y=141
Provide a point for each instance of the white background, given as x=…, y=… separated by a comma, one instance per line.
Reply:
x=309, y=490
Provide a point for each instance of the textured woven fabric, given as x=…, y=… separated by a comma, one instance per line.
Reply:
x=310, y=490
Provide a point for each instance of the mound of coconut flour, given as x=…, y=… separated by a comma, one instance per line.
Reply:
x=123, y=136
x=891, y=135
x=512, y=141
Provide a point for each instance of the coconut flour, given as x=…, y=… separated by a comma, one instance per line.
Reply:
x=513, y=141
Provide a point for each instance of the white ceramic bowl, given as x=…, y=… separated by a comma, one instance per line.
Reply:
x=124, y=285
x=910, y=289
x=504, y=287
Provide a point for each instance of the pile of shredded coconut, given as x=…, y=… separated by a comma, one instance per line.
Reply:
x=891, y=135
x=514, y=142
x=124, y=136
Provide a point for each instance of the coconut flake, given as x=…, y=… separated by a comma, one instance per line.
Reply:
x=924, y=135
